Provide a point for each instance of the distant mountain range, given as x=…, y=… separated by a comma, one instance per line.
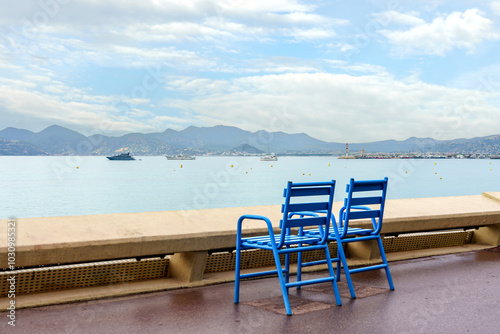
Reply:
x=219, y=140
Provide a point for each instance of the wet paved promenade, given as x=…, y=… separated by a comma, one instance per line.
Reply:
x=457, y=293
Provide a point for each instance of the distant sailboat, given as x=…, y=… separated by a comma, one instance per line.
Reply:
x=269, y=157
x=180, y=157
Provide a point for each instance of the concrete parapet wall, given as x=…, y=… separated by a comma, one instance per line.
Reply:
x=76, y=239
x=200, y=244
x=73, y=239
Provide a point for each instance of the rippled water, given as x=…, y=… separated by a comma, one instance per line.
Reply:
x=60, y=186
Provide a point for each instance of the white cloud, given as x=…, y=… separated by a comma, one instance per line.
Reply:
x=196, y=86
x=346, y=47
x=176, y=123
x=343, y=107
x=355, y=67
x=36, y=105
x=56, y=103
x=394, y=17
x=495, y=7
x=298, y=18
x=145, y=33
x=311, y=34
x=237, y=25
x=17, y=83
x=280, y=65
x=125, y=56
x=180, y=31
x=260, y=6
x=151, y=20
x=140, y=113
x=464, y=30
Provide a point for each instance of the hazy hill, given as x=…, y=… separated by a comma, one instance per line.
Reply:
x=15, y=147
x=490, y=145
x=217, y=138
x=15, y=134
x=280, y=142
x=53, y=140
x=245, y=148
x=412, y=144
x=136, y=143
x=57, y=140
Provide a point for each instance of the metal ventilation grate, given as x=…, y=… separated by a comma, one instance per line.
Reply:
x=416, y=241
x=83, y=275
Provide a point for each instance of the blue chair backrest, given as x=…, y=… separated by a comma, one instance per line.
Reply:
x=306, y=198
x=359, y=195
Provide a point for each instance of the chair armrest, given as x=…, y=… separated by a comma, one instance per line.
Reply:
x=254, y=217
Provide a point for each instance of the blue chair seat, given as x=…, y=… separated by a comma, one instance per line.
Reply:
x=266, y=242
x=351, y=231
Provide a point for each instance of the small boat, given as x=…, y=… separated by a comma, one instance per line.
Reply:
x=270, y=157
x=123, y=156
x=180, y=157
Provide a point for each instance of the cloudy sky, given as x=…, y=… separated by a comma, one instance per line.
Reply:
x=341, y=71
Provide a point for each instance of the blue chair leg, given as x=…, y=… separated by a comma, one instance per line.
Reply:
x=287, y=269
x=237, y=274
x=341, y=256
x=299, y=267
x=384, y=260
x=338, y=265
x=284, y=289
x=332, y=274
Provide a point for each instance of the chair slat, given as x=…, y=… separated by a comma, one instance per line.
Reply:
x=304, y=222
x=366, y=200
x=307, y=206
x=257, y=239
x=364, y=214
x=316, y=191
x=367, y=186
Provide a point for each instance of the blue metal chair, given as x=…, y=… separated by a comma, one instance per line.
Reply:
x=300, y=200
x=359, y=195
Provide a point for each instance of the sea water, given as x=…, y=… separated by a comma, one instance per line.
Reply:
x=74, y=185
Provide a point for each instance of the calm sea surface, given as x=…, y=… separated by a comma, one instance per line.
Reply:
x=62, y=186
